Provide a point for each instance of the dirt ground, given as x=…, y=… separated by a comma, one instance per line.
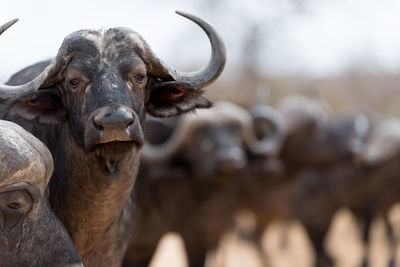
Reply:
x=343, y=242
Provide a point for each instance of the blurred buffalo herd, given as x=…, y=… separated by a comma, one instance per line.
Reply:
x=293, y=161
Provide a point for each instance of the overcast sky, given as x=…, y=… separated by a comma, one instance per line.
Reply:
x=314, y=37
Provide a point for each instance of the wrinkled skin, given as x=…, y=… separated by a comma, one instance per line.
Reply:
x=30, y=233
x=90, y=112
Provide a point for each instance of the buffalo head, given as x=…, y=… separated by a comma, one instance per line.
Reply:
x=316, y=138
x=101, y=84
x=219, y=140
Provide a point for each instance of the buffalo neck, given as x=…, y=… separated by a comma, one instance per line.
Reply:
x=94, y=206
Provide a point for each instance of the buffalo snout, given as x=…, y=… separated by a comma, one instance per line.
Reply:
x=112, y=125
x=108, y=120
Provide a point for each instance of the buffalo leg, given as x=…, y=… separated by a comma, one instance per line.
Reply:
x=255, y=238
x=392, y=241
x=140, y=252
x=196, y=249
x=139, y=257
x=365, y=222
x=317, y=237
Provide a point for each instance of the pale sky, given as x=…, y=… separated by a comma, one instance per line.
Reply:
x=318, y=38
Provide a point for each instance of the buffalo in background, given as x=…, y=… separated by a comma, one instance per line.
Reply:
x=188, y=180
x=318, y=165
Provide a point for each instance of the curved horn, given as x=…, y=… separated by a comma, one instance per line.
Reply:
x=186, y=124
x=222, y=111
x=264, y=146
x=47, y=76
x=157, y=131
x=7, y=92
x=7, y=25
x=267, y=143
x=205, y=76
x=163, y=151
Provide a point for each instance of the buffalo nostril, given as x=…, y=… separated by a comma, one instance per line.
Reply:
x=110, y=119
x=98, y=126
x=130, y=123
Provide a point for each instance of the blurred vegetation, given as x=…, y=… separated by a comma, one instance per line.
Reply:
x=375, y=94
x=359, y=88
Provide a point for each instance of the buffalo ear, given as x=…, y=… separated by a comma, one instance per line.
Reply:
x=172, y=98
x=43, y=106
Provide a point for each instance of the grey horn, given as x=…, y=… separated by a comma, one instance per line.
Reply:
x=180, y=132
x=208, y=74
x=7, y=25
x=197, y=79
x=7, y=92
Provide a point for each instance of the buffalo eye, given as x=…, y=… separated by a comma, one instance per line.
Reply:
x=14, y=205
x=74, y=83
x=140, y=77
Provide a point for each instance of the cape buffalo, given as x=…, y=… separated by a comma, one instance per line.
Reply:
x=88, y=106
x=30, y=233
x=187, y=184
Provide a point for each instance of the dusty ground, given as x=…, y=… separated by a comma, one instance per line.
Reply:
x=343, y=242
